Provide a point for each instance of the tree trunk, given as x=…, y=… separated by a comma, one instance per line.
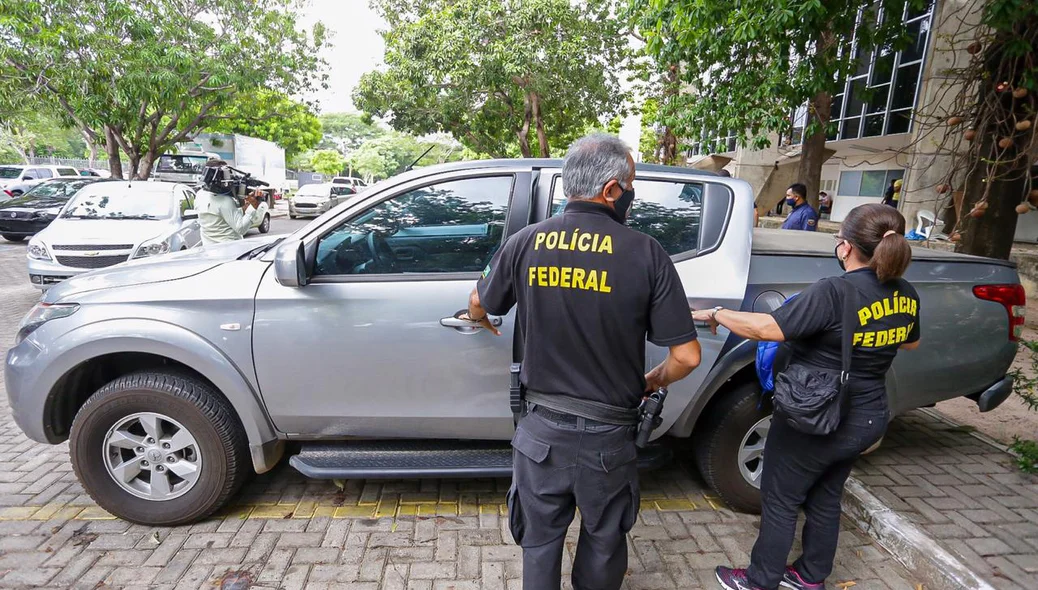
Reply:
x=145, y=165
x=542, y=137
x=115, y=163
x=524, y=132
x=669, y=147
x=812, y=151
x=92, y=158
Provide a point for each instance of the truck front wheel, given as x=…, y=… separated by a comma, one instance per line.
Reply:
x=264, y=227
x=729, y=447
x=158, y=448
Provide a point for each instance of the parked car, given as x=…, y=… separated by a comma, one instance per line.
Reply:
x=16, y=179
x=315, y=199
x=29, y=214
x=169, y=377
x=357, y=184
x=107, y=223
x=98, y=172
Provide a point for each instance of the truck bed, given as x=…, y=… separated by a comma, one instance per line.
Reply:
x=780, y=242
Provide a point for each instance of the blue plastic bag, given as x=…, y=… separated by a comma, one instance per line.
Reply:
x=765, y=363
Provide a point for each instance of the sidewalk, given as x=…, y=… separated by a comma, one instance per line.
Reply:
x=961, y=490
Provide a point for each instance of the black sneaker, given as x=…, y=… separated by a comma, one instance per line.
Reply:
x=733, y=579
x=792, y=580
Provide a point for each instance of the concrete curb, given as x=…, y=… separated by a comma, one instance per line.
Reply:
x=935, y=566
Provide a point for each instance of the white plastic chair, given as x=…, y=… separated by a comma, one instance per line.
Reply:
x=925, y=222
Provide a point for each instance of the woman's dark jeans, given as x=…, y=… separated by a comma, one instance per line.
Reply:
x=804, y=470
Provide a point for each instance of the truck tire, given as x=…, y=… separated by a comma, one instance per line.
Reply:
x=264, y=227
x=13, y=238
x=729, y=447
x=163, y=428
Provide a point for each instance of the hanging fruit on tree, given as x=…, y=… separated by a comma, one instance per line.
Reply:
x=1023, y=125
x=1005, y=143
x=973, y=48
x=1020, y=92
x=970, y=135
x=953, y=121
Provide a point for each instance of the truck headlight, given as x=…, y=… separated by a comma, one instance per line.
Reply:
x=41, y=314
x=152, y=248
x=37, y=251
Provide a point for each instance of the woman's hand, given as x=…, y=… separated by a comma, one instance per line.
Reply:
x=707, y=315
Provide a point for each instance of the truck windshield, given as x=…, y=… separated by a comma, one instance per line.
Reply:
x=181, y=164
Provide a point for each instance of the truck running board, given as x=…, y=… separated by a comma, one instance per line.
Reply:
x=411, y=459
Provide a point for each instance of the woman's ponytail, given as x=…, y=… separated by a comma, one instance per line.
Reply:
x=892, y=256
x=878, y=231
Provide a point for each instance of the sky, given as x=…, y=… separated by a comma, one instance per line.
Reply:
x=357, y=48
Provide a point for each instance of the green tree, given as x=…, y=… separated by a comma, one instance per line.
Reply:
x=36, y=133
x=347, y=131
x=272, y=116
x=746, y=66
x=141, y=76
x=328, y=162
x=390, y=154
x=498, y=73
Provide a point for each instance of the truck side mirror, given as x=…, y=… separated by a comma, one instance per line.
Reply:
x=290, y=264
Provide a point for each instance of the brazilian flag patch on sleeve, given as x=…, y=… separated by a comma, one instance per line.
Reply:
x=486, y=271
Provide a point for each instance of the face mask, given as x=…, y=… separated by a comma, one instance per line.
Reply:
x=791, y=202
x=843, y=266
x=623, y=204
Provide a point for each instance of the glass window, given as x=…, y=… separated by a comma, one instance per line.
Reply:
x=849, y=130
x=905, y=85
x=849, y=183
x=878, y=99
x=873, y=125
x=668, y=211
x=187, y=201
x=451, y=227
x=856, y=98
x=873, y=183
x=67, y=172
x=57, y=188
x=899, y=121
x=916, y=49
x=883, y=68
x=179, y=164
x=44, y=173
x=893, y=175
x=10, y=171
x=118, y=201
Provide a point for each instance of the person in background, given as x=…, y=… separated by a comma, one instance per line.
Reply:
x=220, y=216
x=809, y=471
x=803, y=217
x=893, y=193
x=825, y=203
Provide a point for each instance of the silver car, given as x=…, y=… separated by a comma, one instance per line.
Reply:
x=316, y=199
x=107, y=223
x=173, y=378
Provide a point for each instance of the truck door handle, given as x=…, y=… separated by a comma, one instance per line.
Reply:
x=457, y=322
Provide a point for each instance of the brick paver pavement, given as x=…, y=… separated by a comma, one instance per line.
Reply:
x=284, y=531
x=964, y=492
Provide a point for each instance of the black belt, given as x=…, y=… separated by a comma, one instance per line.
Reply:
x=563, y=418
x=585, y=408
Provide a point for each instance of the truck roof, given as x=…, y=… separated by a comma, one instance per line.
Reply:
x=783, y=242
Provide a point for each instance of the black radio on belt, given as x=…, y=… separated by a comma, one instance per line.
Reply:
x=515, y=389
x=650, y=417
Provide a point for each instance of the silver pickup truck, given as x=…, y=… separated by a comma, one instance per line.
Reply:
x=173, y=377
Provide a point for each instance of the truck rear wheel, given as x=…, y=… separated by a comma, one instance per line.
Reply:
x=729, y=447
x=158, y=448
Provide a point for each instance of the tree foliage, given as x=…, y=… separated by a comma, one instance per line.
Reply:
x=347, y=131
x=391, y=153
x=747, y=65
x=328, y=162
x=272, y=116
x=498, y=73
x=142, y=76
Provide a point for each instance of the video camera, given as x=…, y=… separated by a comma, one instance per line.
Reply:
x=227, y=180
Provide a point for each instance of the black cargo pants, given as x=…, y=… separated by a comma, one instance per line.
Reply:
x=562, y=463
x=808, y=471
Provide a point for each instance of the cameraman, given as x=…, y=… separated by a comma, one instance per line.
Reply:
x=221, y=216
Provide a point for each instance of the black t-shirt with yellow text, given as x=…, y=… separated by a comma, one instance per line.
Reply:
x=887, y=316
x=589, y=291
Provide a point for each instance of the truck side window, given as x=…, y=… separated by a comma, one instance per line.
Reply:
x=449, y=227
x=664, y=209
x=44, y=173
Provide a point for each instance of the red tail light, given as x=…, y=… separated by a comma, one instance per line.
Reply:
x=1011, y=297
x=9, y=193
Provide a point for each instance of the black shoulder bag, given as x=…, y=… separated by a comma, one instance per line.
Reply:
x=814, y=401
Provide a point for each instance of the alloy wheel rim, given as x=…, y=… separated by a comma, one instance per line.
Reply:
x=152, y=456
x=751, y=452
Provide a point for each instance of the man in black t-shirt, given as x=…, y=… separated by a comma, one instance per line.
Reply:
x=589, y=290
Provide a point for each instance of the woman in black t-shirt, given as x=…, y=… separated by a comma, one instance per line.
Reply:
x=809, y=471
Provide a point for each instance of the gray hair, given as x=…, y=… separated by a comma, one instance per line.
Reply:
x=591, y=162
